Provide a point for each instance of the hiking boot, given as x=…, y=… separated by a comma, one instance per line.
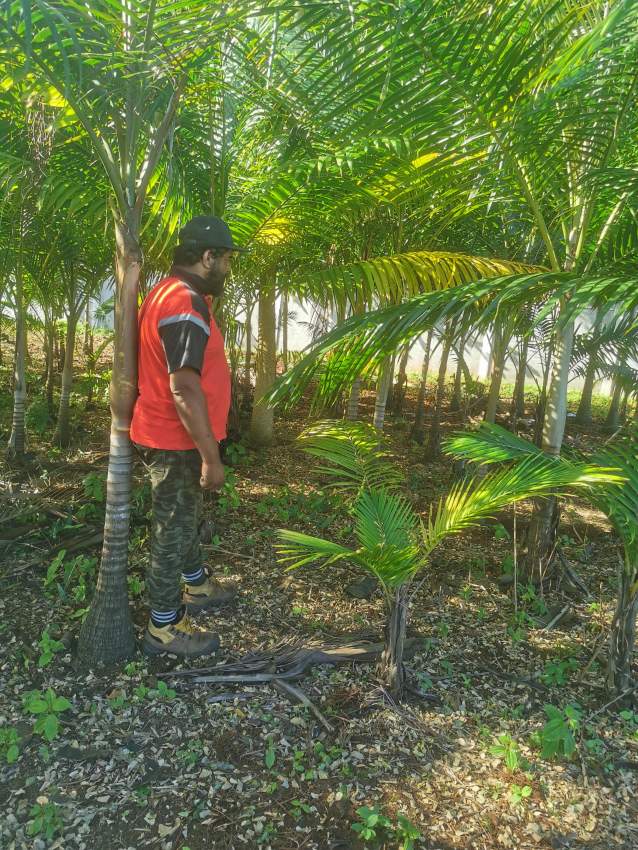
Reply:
x=181, y=638
x=209, y=594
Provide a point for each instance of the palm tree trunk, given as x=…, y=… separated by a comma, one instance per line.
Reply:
x=383, y=387
x=61, y=350
x=248, y=358
x=541, y=535
x=352, y=411
x=418, y=428
x=434, y=439
x=261, y=425
x=17, y=440
x=88, y=331
x=391, y=668
x=107, y=634
x=517, y=408
x=400, y=387
x=584, y=414
x=62, y=430
x=612, y=422
x=455, y=401
x=284, y=330
x=49, y=333
x=499, y=351
x=622, y=637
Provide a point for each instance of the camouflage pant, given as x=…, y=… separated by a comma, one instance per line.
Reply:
x=177, y=510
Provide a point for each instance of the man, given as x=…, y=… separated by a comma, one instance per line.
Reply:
x=179, y=418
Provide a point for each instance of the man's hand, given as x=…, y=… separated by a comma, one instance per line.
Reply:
x=212, y=476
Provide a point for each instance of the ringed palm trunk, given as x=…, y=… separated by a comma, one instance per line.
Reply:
x=612, y=422
x=261, y=424
x=383, y=388
x=17, y=440
x=62, y=431
x=622, y=636
x=391, y=668
x=541, y=535
x=434, y=439
x=107, y=634
x=352, y=410
x=418, y=428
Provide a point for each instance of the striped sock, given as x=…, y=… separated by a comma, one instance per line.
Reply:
x=196, y=577
x=163, y=618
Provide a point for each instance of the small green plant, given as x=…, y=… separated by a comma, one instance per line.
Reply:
x=162, y=691
x=236, y=454
x=71, y=576
x=48, y=647
x=630, y=718
x=557, y=672
x=298, y=809
x=9, y=744
x=45, y=820
x=191, y=753
x=228, y=497
x=46, y=707
x=95, y=486
x=507, y=749
x=406, y=832
x=136, y=586
x=518, y=793
x=507, y=565
x=370, y=822
x=500, y=532
x=536, y=603
x=557, y=737
x=270, y=756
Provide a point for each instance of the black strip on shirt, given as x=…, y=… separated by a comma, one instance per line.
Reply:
x=184, y=345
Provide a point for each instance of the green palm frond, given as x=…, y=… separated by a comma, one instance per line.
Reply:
x=300, y=549
x=619, y=500
x=490, y=444
x=354, y=458
x=536, y=475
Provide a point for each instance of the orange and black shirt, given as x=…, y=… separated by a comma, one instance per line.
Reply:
x=176, y=329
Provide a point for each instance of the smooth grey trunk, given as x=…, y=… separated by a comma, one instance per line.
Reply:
x=517, y=408
x=622, y=637
x=457, y=394
x=262, y=420
x=49, y=334
x=88, y=331
x=584, y=412
x=612, y=420
x=391, y=666
x=284, y=330
x=433, y=447
x=383, y=387
x=543, y=527
x=499, y=352
x=62, y=434
x=107, y=635
x=417, y=432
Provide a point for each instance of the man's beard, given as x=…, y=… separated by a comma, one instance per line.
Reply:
x=215, y=282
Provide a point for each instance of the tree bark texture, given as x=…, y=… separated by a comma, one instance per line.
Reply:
x=418, y=428
x=107, y=635
x=391, y=668
x=261, y=425
x=622, y=637
x=62, y=432
x=499, y=351
x=612, y=420
x=433, y=447
x=383, y=387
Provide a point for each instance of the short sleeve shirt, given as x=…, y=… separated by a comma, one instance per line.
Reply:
x=177, y=330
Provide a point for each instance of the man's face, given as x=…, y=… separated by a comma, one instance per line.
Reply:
x=215, y=271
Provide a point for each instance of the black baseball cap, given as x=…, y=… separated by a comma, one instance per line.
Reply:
x=208, y=231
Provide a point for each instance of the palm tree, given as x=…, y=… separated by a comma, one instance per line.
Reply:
x=392, y=543
x=617, y=497
x=126, y=108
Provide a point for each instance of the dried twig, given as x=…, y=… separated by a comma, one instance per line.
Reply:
x=298, y=695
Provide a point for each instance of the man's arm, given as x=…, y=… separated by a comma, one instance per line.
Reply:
x=190, y=404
